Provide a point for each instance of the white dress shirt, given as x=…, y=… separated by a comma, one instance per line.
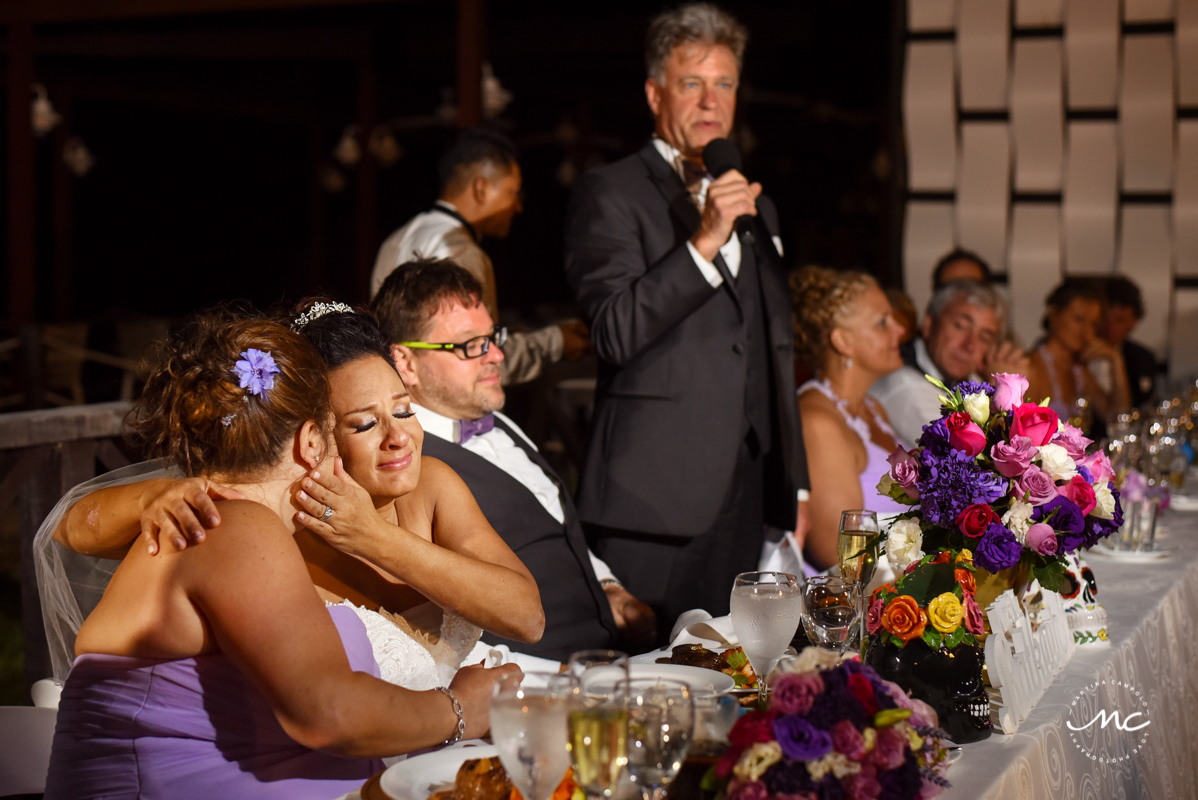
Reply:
x=499, y=449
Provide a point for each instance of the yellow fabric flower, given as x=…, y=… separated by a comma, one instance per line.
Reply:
x=945, y=613
x=964, y=557
x=870, y=735
x=756, y=760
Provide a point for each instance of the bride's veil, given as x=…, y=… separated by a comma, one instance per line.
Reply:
x=71, y=584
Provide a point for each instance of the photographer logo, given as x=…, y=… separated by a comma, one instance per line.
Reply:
x=1126, y=717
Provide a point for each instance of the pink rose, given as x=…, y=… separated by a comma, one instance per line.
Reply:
x=975, y=520
x=847, y=740
x=1012, y=458
x=898, y=694
x=748, y=790
x=794, y=693
x=1036, y=486
x=1099, y=466
x=964, y=434
x=923, y=715
x=1079, y=492
x=1035, y=422
x=863, y=785
x=873, y=617
x=890, y=750
x=1008, y=392
x=904, y=470
x=1074, y=442
x=974, y=621
x=1042, y=538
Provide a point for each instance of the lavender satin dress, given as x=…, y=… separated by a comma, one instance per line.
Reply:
x=190, y=728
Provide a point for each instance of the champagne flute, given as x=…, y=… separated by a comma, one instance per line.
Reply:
x=831, y=611
x=765, y=616
x=661, y=722
x=529, y=728
x=597, y=725
x=857, y=548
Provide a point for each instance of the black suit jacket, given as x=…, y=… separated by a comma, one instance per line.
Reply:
x=670, y=401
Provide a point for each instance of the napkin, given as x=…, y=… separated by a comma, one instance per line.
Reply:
x=699, y=627
x=499, y=654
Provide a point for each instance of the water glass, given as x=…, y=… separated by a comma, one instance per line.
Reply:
x=529, y=728
x=765, y=616
x=1139, y=524
x=831, y=611
x=661, y=722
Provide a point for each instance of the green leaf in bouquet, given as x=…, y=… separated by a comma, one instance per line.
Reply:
x=1051, y=574
x=896, y=641
x=933, y=637
x=939, y=384
x=956, y=637
x=968, y=639
x=711, y=782
x=928, y=581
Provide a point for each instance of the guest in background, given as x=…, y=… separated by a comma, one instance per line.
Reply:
x=456, y=395
x=1059, y=367
x=961, y=337
x=696, y=441
x=904, y=314
x=960, y=265
x=480, y=195
x=845, y=329
x=1124, y=310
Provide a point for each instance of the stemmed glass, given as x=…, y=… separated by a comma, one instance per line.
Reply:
x=831, y=611
x=765, y=616
x=661, y=722
x=857, y=548
x=528, y=726
x=597, y=725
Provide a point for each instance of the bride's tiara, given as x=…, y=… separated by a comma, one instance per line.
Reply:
x=318, y=310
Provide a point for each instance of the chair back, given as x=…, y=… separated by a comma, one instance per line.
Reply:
x=26, y=734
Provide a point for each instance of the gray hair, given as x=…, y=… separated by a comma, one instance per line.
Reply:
x=974, y=293
x=695, y=22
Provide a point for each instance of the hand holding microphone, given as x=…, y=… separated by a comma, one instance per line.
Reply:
x=731, y=200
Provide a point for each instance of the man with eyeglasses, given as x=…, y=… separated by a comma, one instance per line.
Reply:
x=447, y=350
x=480, y=196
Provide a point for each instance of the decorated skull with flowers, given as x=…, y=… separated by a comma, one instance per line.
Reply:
x=1003, y=478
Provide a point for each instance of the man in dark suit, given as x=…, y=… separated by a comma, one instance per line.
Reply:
x=447, y=350
x=696, y=440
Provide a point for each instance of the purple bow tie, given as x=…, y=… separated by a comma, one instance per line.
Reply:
x=474, y=427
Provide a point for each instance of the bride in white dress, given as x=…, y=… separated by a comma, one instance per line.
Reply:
x=397, y=537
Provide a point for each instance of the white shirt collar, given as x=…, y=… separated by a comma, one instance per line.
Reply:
x=924, y=359
x=436, y=424
x=671, y=154
x=447, y=204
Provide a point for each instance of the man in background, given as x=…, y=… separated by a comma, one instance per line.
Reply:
x=480, y=195
x=1124, y=310
x=961, y=337
x=696, y=441
x=445, y=348
x=960, y=265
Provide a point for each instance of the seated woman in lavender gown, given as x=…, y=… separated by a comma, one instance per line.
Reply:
x=411, y=553
x=846, y=332
x=217, y=671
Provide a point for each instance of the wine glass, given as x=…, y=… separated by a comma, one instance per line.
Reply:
x=597, y=725
x=528, y=725
x=857, y=548
x=661, y=722
x=831, y=611
x=765, y=616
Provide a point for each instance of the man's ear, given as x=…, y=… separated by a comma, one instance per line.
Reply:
x=652, y=95
x=311, y=446
x=480, y=191
x=402, y=356
x=925, y=327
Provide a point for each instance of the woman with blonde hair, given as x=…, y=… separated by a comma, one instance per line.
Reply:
x=846, y=332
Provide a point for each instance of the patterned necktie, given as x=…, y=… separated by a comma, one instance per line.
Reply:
x=474, y=427
x=692, y=175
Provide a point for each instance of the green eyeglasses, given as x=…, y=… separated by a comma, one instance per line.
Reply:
x=477, y=347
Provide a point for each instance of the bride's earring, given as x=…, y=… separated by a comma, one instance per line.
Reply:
x=848, y=363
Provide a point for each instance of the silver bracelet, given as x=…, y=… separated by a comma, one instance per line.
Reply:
x=460, y=730
x=611, y=582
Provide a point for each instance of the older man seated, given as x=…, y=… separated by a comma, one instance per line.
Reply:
x=961, y=337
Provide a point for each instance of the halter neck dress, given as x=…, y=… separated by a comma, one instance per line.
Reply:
x=1057, y=399
x=190, y=729
x=876, y=464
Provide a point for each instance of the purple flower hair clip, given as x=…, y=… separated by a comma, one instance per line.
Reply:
x=256, y=370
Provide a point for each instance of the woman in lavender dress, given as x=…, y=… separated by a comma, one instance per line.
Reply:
x=217, y=671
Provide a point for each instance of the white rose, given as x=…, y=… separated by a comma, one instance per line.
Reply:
x=810, y=660
x=1056, y=462
x=904, y=543
x=836, y=763
x=1106, y=501
x=757, y=759
x=1018, y=519
x=977, y=405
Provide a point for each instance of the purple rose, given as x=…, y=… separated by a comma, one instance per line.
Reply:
x=800, y=739
x=904, y=470
x=997, y=550
x=1013, y=458
x=794, y=693
x=1042, y=538
x=847, y=740
x=1009, y=390
x=1074, y=442
x=1067, y=519
x=1036, y=486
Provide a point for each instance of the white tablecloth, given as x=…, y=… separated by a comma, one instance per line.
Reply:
x=1152, y=610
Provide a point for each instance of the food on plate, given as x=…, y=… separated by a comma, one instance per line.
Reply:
x=486, y=779
x=732, y=662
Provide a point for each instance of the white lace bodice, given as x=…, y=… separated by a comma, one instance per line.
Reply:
x=410, y=655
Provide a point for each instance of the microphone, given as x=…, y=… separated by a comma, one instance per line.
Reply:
x=719, y=156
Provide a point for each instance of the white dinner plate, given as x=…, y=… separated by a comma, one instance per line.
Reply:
x=1131, y=556
x=416, y=777
x=698, y=678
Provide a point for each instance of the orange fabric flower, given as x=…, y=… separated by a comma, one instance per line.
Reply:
x=942, y=558
x=965, y=578
x=904, y=618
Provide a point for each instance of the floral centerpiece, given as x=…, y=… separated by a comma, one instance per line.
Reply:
x=834, y=729
x=1003, y=478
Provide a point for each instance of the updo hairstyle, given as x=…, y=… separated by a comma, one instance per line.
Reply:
x=822, y=300
x=194, y=412
x=1069, y=290
x=339, y=336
